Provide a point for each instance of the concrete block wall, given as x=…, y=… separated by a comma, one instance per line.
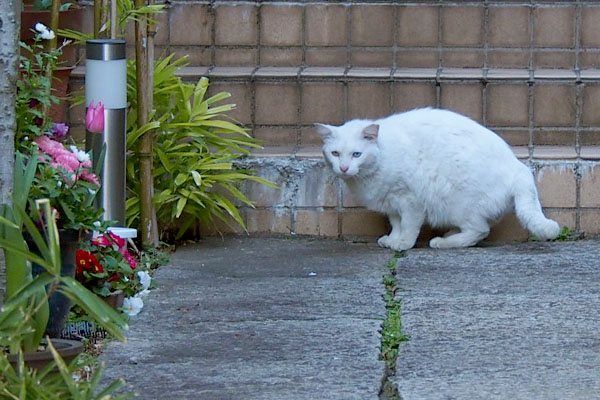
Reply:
x=529, y=70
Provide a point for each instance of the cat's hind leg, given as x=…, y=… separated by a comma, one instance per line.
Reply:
x=470, y=234
x=405, y=229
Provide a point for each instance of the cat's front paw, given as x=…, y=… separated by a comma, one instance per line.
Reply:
x=437, y=243
x=395, y=243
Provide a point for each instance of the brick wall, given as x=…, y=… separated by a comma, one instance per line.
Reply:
x=529, y=70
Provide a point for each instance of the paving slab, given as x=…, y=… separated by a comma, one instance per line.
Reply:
x=259, y=318
x=507, y=322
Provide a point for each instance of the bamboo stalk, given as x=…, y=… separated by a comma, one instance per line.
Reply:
x=97, y=17
x=145, y=142
x=51, y=45
x=150, y=93
x=113, y=19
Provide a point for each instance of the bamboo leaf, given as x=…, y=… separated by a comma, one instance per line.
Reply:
x=197, y=178
x=180, y=206
x=28, y=291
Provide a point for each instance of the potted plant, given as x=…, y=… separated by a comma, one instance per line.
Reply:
x=24, y=315
x=106, y=267
x=63, y=174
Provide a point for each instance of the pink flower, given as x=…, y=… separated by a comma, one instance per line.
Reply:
x=101, y=241
x=49, y=146
x=119, y=241
x=131, y=260
x=94, y=118
x=67, y=161
x=89, y=177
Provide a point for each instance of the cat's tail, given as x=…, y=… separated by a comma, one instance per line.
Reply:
x=529, y=209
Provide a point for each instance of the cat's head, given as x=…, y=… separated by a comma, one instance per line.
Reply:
x=350, y=149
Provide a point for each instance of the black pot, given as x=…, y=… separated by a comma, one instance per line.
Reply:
x=59, y=304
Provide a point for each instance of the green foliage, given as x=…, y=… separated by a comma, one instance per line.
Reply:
x=33, y=93
x=24, y=383
x=194, y=149
x=40, y=5
x=72, y=197
x=24, y=315
x=126, y=11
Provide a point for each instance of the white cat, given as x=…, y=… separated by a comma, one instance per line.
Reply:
x=434, y=165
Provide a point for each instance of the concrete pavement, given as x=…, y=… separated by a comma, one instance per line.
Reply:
x=249, y=318
x=274, y=318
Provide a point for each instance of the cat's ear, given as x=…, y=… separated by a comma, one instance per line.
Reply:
x=324, y=130
x=370, y=132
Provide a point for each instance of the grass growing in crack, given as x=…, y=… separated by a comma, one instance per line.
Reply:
x=391, y=329
x=391, y=332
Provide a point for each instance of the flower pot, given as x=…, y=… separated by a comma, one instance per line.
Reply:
x=115, y=299
x=68, y=350
x=58, y=303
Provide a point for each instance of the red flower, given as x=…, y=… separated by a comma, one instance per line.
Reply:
x=112, y=278
x=85, y=260
x=101, y=241
x=97, y=268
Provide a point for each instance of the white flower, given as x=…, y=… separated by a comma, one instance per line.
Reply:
x=41, y=28
x=48, y=35
x=132, y=305
x=82, y=156
x=145, y=279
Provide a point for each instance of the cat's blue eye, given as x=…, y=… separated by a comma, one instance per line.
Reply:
x=356, y=154
x=335, y=153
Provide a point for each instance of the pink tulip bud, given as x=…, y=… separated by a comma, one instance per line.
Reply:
x=94, y=118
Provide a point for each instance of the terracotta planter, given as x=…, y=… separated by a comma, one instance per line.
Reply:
x=68, y=350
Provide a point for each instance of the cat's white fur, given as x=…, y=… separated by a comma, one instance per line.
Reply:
x=437, y=166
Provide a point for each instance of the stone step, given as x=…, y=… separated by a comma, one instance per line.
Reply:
x=280, y=105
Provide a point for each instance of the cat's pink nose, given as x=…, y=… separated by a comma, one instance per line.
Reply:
x=344, y=168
